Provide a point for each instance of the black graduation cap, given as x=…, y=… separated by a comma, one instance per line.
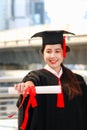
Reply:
x=54, y=37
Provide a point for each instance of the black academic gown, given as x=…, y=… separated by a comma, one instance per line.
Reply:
x=46, y=116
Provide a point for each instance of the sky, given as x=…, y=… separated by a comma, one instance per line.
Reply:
x=69, y=13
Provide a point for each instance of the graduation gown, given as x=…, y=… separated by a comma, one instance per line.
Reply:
x=46, y=116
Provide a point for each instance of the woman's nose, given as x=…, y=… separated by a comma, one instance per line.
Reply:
x=52, y=54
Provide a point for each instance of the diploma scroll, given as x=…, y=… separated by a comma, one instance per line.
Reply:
x=40, y=90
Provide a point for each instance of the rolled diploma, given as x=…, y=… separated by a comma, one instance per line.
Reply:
x=40, y=89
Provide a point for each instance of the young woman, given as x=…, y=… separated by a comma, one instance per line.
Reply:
x=65, y=111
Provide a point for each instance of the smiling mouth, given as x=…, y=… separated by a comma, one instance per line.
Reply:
x=53, y=62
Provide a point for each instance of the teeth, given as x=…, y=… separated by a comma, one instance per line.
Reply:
x=53, y=61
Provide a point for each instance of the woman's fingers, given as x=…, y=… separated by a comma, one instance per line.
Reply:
x=20, y=87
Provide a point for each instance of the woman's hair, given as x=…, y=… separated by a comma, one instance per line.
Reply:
x=70, y=83
x=42, y=49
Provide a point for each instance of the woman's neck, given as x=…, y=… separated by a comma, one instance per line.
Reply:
x=57, y=73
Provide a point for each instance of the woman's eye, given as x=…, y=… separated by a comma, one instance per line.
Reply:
x=48, y=51
x=58, y=51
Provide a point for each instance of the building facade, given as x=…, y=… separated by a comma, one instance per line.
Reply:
x=22, y=13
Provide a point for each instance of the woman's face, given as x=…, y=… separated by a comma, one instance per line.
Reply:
x=53, y=56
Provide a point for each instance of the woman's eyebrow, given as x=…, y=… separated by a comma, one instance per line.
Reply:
x=58, y=49
x=55, y=49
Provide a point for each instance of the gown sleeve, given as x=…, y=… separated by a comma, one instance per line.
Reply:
x=32, y=76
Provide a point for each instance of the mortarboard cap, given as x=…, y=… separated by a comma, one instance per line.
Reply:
x=54, y=37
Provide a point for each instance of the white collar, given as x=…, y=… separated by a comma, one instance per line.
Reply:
x=53, y=71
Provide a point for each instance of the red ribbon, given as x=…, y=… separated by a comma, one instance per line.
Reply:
x=11, y=115
x=60, y=97
x=31, y=102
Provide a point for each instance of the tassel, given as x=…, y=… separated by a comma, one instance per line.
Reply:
x=64, y=46
x=60, y=100
x=60, y=97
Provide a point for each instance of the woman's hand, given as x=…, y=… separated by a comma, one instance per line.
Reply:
x=20, y=87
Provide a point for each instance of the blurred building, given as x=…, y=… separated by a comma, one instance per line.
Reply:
x=3, y=14
x=22, y=13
